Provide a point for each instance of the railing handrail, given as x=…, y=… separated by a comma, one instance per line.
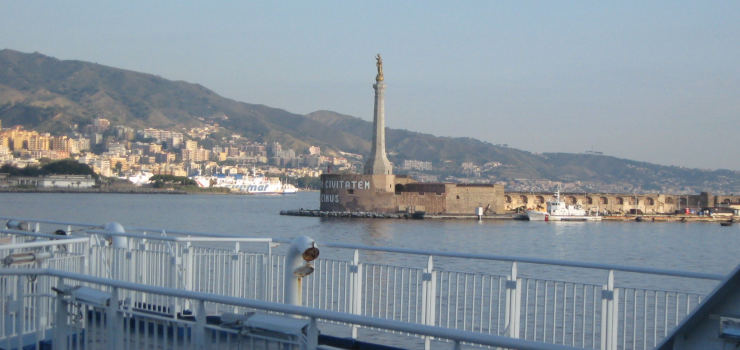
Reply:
x=53, y=222
x=531, y=260
x=38, y=234
x=154, y=236
x=38, y=244
x=422, y=252
x=423, y=330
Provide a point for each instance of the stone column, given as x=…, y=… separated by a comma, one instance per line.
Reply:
x=377, y=163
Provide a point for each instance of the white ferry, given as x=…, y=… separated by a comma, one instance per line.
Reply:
x=557, y=210
x=256, y=184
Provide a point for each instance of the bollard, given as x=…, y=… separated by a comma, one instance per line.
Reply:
x=118, y=241
x=302, y=251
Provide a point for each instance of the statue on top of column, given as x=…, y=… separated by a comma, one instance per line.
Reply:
x=379, y=63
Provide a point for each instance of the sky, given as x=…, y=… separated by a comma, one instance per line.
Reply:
x=655, y=81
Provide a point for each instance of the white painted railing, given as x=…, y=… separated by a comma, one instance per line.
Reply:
x=93, y=313
x=425, y=287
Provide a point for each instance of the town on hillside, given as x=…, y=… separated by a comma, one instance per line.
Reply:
x=209, y=152
x=136, y=155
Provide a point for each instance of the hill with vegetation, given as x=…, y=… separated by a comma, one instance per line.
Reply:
x=47, y=94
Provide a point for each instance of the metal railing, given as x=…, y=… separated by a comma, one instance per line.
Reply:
x=544, y=302
x=92, y=313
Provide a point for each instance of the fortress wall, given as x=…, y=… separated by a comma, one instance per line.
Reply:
x=610, y=202
x=720, y=200
x=388, y=194
x=391, y=194
x=352, y=192
x=464, y=199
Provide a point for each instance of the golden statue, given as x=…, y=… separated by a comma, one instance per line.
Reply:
x=379, y=77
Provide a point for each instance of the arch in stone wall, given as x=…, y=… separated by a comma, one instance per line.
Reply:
x=507, y=198
x=604, y=200
x=523, y=199
x=727, y=201
x=539, y=200
x=620, y=200
x=571, y=200
x=589, y=200
x=669, y=200
x=649, y=201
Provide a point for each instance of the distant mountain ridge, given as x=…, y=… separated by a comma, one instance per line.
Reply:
x=48, y=94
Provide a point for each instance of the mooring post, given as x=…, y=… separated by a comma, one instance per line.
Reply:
x=302, y=251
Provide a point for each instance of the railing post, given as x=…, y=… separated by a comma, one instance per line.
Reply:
x=428, y=297
x=114, y=320
x=609, y=314
x=236, y=277
x=60, y=319
x=267, y=275
x=312, y=341
x=513, y=303
x=355, y=289
x=173, y=278
x=188, y=257
x=19, y=309
x=199, y=333
x=86, y=257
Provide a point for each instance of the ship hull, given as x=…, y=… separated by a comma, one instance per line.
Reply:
x=541, y=216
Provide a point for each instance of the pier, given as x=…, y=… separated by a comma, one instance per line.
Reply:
x=512, y=216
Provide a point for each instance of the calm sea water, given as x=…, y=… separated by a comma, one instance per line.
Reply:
x=683, y=246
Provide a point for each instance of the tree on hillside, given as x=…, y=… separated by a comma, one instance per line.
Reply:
x=67, y=167
x=159, y=181
x=60, y=167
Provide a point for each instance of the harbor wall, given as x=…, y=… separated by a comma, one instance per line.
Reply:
x=620, y=203
x=399, y=194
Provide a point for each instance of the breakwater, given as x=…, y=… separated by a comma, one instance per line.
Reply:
x=513, y=216
x=140, y=190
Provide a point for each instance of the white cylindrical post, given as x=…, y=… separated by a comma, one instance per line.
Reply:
x=302, y=251
x=118, y=241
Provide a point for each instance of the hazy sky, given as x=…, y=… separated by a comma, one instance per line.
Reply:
x=657, y=81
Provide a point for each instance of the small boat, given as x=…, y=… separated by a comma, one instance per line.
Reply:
x=726, y=223
x=557, y=210
x=419, y=214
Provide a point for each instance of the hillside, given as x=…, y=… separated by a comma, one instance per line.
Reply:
x=592, y=172
x=41, y=92
x=48, y=94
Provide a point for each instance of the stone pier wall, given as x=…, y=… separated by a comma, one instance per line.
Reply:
x=610, y=202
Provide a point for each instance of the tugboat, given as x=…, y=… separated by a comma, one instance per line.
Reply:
x=557, y=210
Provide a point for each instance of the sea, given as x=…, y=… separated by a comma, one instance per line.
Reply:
x=700, y=247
